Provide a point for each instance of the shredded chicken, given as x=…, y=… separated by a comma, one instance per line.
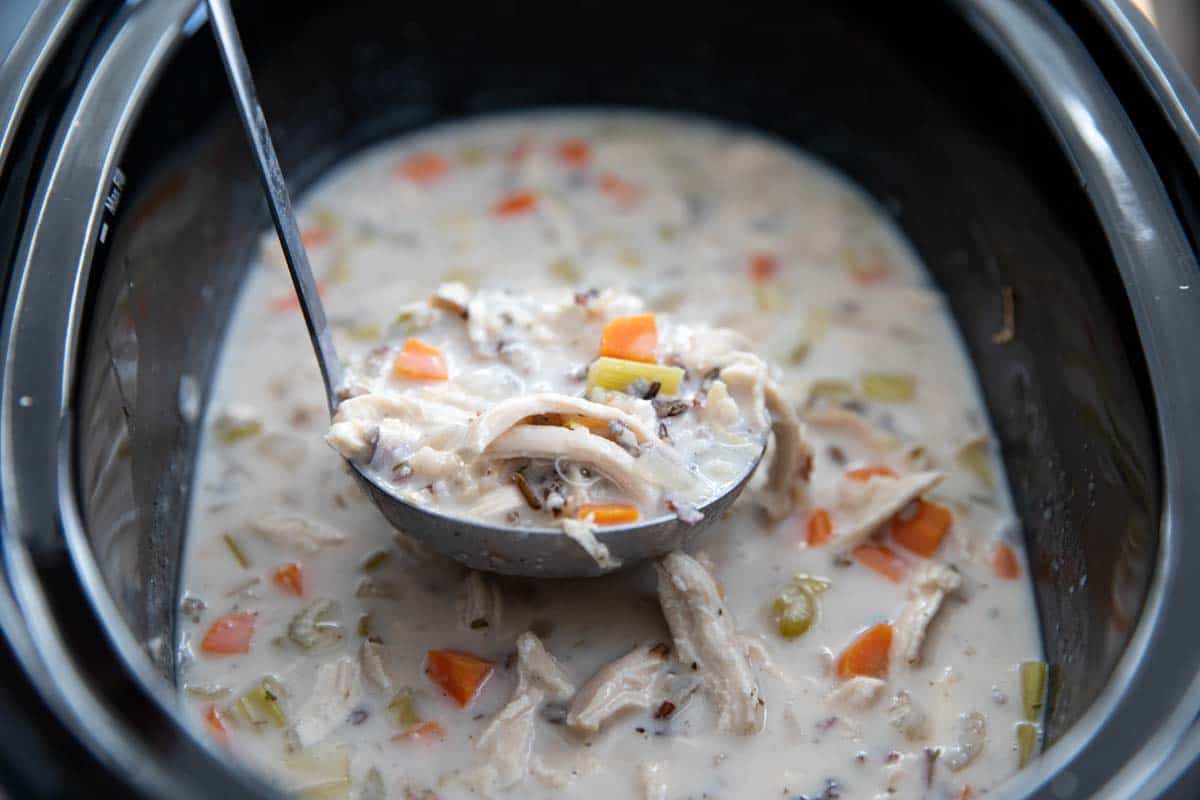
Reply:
x=971, y=732
x=506, y=744
x=583, y=533
x=292, y=530
x=334, y=694
x=907, y=718
x=453, y=297
x=926, y=592
x=479, y=602
x=858, y=693
x=579, y=446
x=623, y=684
x=371, y=657
x=844, y=421
x=705, y=639
x=863, y=506
x=507, y=413
x=793, y=457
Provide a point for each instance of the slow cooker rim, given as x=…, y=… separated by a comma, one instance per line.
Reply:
x=131, y=652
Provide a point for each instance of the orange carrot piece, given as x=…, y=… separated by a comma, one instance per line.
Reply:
x=1004, y=562
x=763, y=267
x=866, y=473
x=968, y=793
x=631, y=338
x=290, y=579
x=515, y=204
x=624, y=192
x=880, y=558
x=609, y=513
x=230, y=634
x=420, y=362
x=924, y=531
x=215, y=727
x=460, y=675
x=575, y=152
x=868, y=654
x=423, y=168
x=820, y=528
x=427, y=732
x=316, y=236
x=290, y=302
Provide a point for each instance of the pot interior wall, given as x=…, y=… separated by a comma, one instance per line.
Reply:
x=918, y=111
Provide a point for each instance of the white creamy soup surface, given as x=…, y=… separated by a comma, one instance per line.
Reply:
x=879, y=639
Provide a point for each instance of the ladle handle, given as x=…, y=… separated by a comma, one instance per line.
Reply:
x=230, y=46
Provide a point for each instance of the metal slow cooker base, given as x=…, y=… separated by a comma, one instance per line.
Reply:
x=986, y=126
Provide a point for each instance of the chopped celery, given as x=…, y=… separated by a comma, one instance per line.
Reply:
x=320, y=774
x=889, y=387
x=372, y=788
x=973, y=457
x=231, y=431
x=799, y=353
x=364, y=332
x=472, y=155
x=315, y=626
x=260, y=706
x=404, y=708
x=615, y=374
x=239, y=555
x=565, y=270
x=768, y=297
x=795, y=606
x=829, y=389
x=1027, y=739
x=375, y=560
x=1033, y=688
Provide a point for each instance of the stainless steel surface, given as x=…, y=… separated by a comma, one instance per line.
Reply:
x=545, y=553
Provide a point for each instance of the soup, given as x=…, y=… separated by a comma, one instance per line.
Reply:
x=876, y=638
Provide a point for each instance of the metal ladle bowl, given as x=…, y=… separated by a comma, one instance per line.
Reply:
x=538, y=552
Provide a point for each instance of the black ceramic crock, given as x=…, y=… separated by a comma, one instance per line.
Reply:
x=1050, y=152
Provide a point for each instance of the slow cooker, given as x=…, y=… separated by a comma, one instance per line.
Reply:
x=1044, y=152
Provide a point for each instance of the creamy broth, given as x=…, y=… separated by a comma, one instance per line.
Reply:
x=713, y=226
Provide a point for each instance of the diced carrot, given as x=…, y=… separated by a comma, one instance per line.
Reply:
x=869, y=276
x=215, y=727
x=420, y=362
x=316, y=235
x=880, y=558
x=967, y=793
x=923, y=532
x=290, y=579
x=624, y=192
x=230, y=634
x=820, y=528
x=575, y=152
x=423, y=168
x=609, y=513
x=866, y=473
x=427, y=732
x=631, y=338
x=763, y=267
x=460, y=675
x=290, y=302
x=515, y=204
x=868, y=654
x=1004, y=562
